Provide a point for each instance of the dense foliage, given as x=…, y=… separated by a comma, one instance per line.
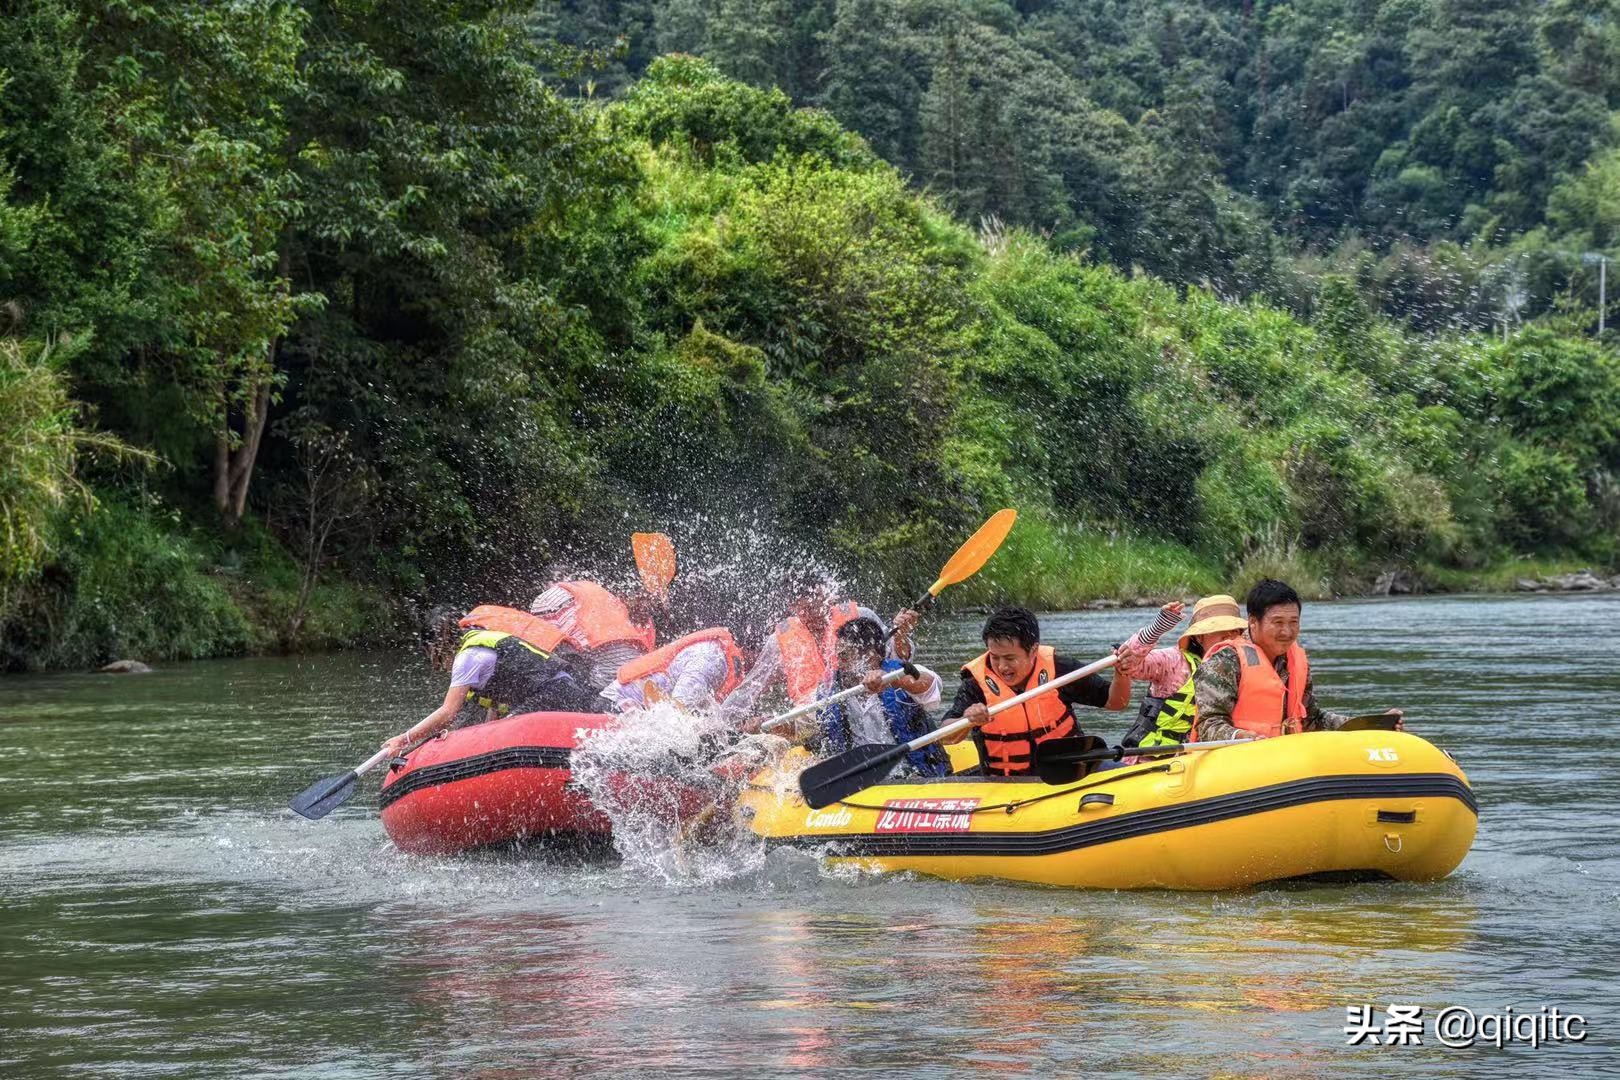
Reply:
x=388, y=309
x=1457, y=157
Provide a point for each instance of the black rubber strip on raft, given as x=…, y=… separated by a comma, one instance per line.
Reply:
x=1148, y=822
x=511, y=757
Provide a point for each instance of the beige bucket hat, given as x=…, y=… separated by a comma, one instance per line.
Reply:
x=1212, y=613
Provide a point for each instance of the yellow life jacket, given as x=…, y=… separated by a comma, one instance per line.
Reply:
x=1173, y=717
x=524, y=675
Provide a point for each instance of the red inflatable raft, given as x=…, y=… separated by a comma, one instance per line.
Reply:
x=502, y=782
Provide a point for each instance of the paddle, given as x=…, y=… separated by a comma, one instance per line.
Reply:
x=821, y=703
x=855, y=770
x=1063, y=761
x=1372, y=722
x=324, y=796
x=655, y=560
x=852, y=771
x=972, y=555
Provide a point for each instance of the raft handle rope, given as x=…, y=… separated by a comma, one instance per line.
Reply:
x=1014, y=806
x=403, y=758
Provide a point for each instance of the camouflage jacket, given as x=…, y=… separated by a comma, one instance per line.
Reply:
x=1215, y=689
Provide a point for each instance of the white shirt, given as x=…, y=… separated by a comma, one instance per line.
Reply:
x=473, y=667
x=694, y=678
x=868, y=724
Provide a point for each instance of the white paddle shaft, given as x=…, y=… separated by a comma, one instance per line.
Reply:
x=372, y=762
x=821, y=703
x=1179, y=748
x=1162, y=624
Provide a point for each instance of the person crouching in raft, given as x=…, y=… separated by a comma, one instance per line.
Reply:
x=1259, y=686
x=696, y=671
x=526, y=665
x=599, y=625
x=1167, y=713
x=1014, y=661
x=884, y=714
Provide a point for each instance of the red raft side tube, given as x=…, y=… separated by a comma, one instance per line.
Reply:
x=492, y=783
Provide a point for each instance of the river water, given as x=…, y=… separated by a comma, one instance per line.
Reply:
x=165, y=915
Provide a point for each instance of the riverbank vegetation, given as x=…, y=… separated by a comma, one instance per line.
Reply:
x=383, y=310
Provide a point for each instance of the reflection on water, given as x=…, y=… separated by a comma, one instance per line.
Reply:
x=165, y=914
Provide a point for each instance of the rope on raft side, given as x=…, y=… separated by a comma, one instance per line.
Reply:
x=1014, y=806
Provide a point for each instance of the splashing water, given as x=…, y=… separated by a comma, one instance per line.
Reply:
x=667, y=779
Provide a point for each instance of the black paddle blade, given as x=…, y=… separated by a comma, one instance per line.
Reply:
x=849, y=772
x=1371, y=722
x=1063, y=761
x=324, y=796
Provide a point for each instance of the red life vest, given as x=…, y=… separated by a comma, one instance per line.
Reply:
x=520, y=624
x=600, y=618
x=1265, y=705
x=805, y=660
x=657, y=662
x=1010, y=736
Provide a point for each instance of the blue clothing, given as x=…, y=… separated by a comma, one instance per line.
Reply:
x=907, y=720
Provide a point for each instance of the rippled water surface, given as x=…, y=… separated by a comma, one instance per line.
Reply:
x=165, y=915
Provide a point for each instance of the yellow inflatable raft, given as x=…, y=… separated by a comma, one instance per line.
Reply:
x=1356, y=805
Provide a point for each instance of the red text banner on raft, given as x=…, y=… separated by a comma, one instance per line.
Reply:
x=926, y=815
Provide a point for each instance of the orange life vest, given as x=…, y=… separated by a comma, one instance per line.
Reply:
x=600, y=618
x=1265, y=705
x=520, y=624
x=1010, y=736
x=657, y=662
x=805, y=660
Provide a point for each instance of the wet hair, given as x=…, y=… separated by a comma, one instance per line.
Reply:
x=441, y=635
x=645, y=609
x=804, y=583
x=1013, y=624
x=863, y=633
x=1267, y=594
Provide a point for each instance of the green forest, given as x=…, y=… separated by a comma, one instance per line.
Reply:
x=317, y=313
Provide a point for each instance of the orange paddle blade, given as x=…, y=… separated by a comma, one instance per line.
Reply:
x=655, y=558
x=976, y=551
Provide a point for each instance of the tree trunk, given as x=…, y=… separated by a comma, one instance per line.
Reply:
x=248, y=452
x=222, y=460
x=233, y=468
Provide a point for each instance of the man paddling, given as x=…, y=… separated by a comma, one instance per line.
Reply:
x=1259, y=686
x=1014, y=660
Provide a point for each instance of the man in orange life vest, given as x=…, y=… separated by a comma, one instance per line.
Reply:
x=1259, y=686
x=802, y=649
x=1014, y=660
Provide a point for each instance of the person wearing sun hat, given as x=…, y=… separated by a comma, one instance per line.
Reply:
x=1167, y=713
